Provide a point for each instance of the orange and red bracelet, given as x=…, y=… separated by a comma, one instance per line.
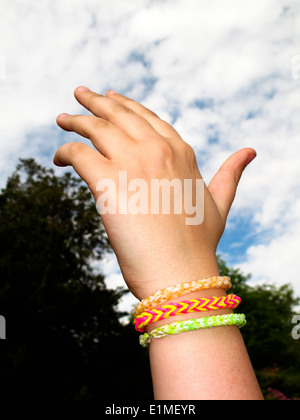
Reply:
x=188, y=306
x=181, y=289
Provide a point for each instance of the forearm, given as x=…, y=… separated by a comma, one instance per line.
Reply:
x=203, y=365
x=210, y=364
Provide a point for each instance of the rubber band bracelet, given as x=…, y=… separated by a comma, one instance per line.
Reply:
x=238, y=320
x=181, y=289
x=189, y=306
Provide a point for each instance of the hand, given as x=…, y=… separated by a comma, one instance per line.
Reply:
x=154, y=250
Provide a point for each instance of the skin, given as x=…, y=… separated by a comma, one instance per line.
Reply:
x=157, y=251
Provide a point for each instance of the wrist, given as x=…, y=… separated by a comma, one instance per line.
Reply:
x=173, y=273
x=208, y=293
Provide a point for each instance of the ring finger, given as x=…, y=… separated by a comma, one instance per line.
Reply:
x=108, y=139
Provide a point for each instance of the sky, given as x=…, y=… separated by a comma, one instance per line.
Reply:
x=226, y=74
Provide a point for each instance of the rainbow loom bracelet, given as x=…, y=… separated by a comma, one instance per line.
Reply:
x=238, y=320
x=181, y=289
x=194, y=305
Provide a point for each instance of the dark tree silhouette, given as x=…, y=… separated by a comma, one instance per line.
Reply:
x=268, y=334
x=64, y=338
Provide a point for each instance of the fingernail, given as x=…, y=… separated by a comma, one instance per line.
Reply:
x=63, y=115
x=250, y=159
x=112, y=93
x=83, y=89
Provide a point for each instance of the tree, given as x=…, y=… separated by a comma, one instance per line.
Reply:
x=269, y=310
x=64, y=338
x=63, y=330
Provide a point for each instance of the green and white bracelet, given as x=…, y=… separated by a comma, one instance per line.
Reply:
x=178, y=327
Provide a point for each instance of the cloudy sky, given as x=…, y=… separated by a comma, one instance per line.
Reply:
x=226, y=74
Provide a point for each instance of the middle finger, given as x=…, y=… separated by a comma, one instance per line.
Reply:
x=124, y=118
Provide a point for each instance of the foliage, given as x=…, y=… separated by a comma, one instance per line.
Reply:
x=268, y=334
x=63, y=329
x=64, y=336
x=275, y=395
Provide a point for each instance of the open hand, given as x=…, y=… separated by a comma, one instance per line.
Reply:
x=154, y=250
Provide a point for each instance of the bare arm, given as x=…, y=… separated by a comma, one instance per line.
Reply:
x=159, y=250
x=208, y=364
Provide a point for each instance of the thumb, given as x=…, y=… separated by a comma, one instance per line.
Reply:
x=224, y=184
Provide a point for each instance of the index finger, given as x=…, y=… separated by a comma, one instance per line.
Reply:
x=90, y=165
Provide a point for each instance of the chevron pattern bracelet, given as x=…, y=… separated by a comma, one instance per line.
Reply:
x=181, y=289
x=238, y=320
x=189, y=306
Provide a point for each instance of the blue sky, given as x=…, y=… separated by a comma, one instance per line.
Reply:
x=220, y=72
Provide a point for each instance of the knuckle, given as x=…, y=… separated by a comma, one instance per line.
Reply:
x=116, y=109
x=188, y=151
x=121, y=109
x=92, y=98
x=101, y=124
x=237, y=176
x=163, y=150
x=75, y=149
x=152, y=114
x=128, y=102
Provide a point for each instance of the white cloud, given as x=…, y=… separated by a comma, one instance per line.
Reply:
x=109, y=267
x=275, y=261
x=223, y=70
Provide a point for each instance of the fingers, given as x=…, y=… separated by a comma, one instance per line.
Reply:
x=132, y=124
x=224, y=184
x=87, y=162
x=162, y=127
x=106, y=137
